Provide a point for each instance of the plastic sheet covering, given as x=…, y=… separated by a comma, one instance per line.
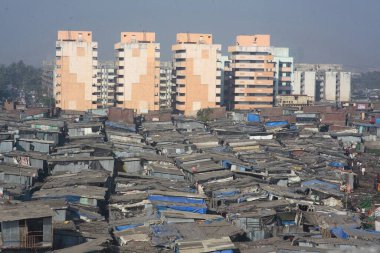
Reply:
x=130, y=128
x=336, y=164
x=231, y=192
x=176, y=199
x=164, y=235
x=251, y=117
x=339, y=233
x=276, y=123
x=126, y=227
x=191, y=209
x=68, y=198
x=320, y=183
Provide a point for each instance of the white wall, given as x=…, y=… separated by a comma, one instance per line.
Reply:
x=310, y=83
x=345, y=86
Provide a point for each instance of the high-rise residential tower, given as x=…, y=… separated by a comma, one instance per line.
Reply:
x=138, y=71
x=284, y=68
x=166, y=85
x=75, y=71
x=252, y=72
x=197, y=72
x=106, y=84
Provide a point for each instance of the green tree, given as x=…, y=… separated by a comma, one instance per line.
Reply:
x=20, y=76
x=204, y=114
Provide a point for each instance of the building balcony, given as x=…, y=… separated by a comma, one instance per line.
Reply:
x=254, y=98
x=286, y=69
x=119, y=89
x=180, y=72
x=249, y=57
x=120, y=71
x=180, y=81
x=259, y=90
x=265, y=74
x=285, y=79
x=248, y=65
x=181, y=90
x=180, y=56
x=180, y=107
x=179, y=64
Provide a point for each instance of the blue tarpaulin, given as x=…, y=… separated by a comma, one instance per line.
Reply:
x=320, y=183
x=276, y=123
x=377, y=121
x=339, y=233
x=176, y=199
x=252, y=117
x=126, y=227
x=130, y=127
x=191, y=209
x=336, y=164
x=226, y=193
x=226, y=164
x=68, y=198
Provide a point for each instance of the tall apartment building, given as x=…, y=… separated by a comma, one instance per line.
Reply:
x=106, y=84
x=227, y=85
x=284, y=68
x=47, y=78
x=197, y=72
x=138, y=71
x=252, y=72
x=75, y=71
x=167, y=86
x=324, y=82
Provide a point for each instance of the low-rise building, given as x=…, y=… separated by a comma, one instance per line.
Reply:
x=294, y=100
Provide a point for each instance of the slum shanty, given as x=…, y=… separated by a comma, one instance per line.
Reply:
x=271, y=180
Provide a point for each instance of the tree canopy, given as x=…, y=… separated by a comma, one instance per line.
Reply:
x=21, y=76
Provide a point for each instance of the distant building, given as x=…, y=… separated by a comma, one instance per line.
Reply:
x=227, y=85
x=284, y=67
x=294, y=100
x=167, y=86
x=138, y=71
x=225, y=75
x=47, y=78
x=324, y=82
x=252, y=72
x=76, y=71
x=106, y=85
x=197, y=73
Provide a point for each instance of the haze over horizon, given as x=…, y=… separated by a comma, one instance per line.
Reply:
x=324, y=31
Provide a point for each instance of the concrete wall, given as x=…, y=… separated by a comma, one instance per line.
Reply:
x=345, y=86
x=330, y=86
x=309, y=84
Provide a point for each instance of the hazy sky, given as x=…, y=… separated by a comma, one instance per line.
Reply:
x=317, y=31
